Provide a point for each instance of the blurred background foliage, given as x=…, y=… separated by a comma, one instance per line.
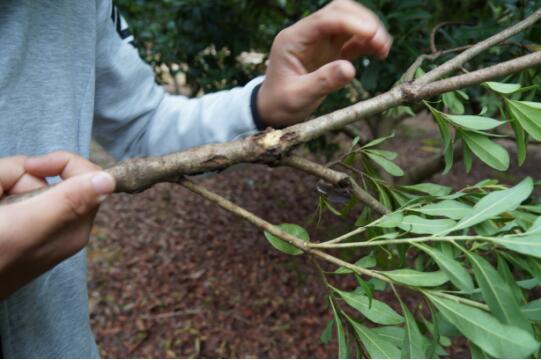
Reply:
x=204, y=39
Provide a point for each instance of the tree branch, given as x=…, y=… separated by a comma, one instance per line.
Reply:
x=336, y=178
x=268, y=147
x=475, y=50
x=138, y=174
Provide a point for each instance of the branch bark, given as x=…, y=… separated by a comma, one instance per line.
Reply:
x=268, y=147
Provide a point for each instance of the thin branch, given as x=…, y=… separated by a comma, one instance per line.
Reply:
x=329, y=245
x=243, y=213
x=336, y=178
x=272, y=229
x=475, y=50
x=433, y=47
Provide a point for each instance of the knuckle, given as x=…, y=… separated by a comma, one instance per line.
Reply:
x=76, y=205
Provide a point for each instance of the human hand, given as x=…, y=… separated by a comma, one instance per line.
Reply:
x=39, y=232
x=311, y=59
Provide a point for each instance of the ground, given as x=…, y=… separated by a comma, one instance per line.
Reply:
x=171, y=275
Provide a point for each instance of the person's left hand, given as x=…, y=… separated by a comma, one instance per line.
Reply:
x=311, y=59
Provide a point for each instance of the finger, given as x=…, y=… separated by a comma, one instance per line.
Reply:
x=71, y=200
x=325, y=80
x=379, y=45
x=26, y=184
x=11, y=170
x=342, y=17
x=63, y=164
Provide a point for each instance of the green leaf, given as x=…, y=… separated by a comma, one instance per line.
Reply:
x=447, y=140
x=491, y=153
x=497, y=294
x=477, y=353
x=418, y=225
x=376, y=346
x=326, y=335
x=340, y=335
x=387, y=165
x=390, y=220
x=389, y=155
x=417, y=278
x=528, y=245
x=377, y=141
x=284, y=246
x=528, y=114
x=496, y=203
x=467, y=158
x=507, y=275
x=535, y=228
x=521, y=141
x=379, y=312
x=454, y=270
x=414, y=342
x=502, y=88
x=532, y=310
x=366, y=262
x=474, y=122
x=451, y=209
x=393, y=334
x=452, y=102
x=486, y=331
x=430, y=189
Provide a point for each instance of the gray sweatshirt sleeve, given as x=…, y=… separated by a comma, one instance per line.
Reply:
x=135, y=117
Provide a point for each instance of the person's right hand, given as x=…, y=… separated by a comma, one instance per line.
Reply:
x=39, y=232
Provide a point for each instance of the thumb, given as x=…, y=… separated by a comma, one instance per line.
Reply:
x=327, y=79
x=70, y=200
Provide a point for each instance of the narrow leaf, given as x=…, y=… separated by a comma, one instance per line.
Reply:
x=340, y=335
x=496, y=203
x=528, y=114
x=387, y=165
x=418, y=225
x=474, y=122
x=451, y=209
x=284, y=246
x=497, y=294
x=414, y=342
x=417, y=278
x=430, y=189
x=454, y=270
x=528, y=245
x=376, y=346
x=532, y=310
x=491, y=153
x=379, y=312
x=502, y=88
x=486, y=331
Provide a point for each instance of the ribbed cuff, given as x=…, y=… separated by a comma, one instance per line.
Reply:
x=260, y=125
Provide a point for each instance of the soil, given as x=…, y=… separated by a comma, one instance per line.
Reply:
x=171, y=275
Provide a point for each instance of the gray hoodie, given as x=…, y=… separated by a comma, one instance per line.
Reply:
x=66, y=75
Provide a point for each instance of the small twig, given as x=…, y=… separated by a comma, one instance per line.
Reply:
x=336, y=178
x=435, y=29
x=478, y=48
x=334, y=245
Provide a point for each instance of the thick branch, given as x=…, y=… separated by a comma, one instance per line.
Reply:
x=139, y=174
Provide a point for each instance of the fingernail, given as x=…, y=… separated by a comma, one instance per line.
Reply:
x=103, y=183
